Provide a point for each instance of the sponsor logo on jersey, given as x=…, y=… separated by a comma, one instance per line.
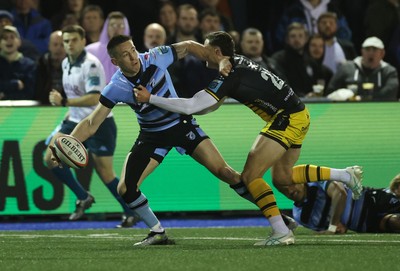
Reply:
x=94, y=81
x=163, y=49
x=214, y=85
x=191, y=135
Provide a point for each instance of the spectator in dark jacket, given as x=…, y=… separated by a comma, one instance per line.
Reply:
x=17, y=72
x=31, y=25
x=49, y=71
x=307, y=12
x=296, y=67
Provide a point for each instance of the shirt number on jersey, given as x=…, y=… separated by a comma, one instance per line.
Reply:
x=278, y=83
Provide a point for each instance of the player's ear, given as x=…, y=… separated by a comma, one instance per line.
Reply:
x=114, y=61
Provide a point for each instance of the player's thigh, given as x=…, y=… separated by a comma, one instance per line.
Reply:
x=283, y=168
x=207, y=154
x=262, y=156
x=139, y=163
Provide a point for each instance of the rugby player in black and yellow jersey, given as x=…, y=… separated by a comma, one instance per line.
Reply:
x=279, y=142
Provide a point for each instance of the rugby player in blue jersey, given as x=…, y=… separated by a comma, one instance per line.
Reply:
x=160, y=130
x=279, y=143
x=328, y=207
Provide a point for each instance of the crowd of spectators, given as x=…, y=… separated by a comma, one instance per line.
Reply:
x=331, y=49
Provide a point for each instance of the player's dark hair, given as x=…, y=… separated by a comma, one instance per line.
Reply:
x=75, y=29
x=114, y=42
x=223, y=40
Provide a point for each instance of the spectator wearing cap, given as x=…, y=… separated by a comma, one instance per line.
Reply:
x=27, y=48
x=368, y=76
x=17, y=72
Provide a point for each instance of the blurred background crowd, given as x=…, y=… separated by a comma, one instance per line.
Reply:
x=325, y=49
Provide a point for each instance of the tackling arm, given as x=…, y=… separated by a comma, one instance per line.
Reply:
x=200, y=103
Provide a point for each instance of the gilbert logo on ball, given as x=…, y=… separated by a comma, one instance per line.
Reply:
x=71, y=151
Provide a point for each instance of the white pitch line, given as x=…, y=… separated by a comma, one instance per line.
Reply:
x=299, y=239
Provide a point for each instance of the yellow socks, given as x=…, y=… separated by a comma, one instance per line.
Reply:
x=310, y=173
x=264, y=197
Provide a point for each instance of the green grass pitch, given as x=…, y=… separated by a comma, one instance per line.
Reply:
x=203, y=249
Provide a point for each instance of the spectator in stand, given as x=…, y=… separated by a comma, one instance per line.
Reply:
x=307, y=12
x=92, y=22
x=236, y=39
x=115, y=24
x=316, y=50
x=381, y=19
x=368, y=76
x=70, y=8
x=154, y=35
x=224, y=14
x=337, y=50
x=27, y=48
x=31, y=25
x=189, y=74
x=49, y=71
x=293, y=64
x=17, y=76
x=209, y=21
x=168, y=18
x=187, y=24
x=252, y=46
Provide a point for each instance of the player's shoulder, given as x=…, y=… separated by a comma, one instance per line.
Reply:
x=156, y=53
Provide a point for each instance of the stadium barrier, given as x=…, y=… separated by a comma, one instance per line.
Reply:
x=341, y=134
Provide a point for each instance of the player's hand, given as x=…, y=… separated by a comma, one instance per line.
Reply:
x=225, y=66
x=56, y=160
x=142, y=94
x=55, y=97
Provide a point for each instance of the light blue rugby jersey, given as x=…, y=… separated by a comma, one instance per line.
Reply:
x=314, y=213
x=156, y=79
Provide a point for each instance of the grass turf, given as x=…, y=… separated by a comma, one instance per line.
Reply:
x=195, y=249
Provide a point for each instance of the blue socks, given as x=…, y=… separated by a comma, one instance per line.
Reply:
x=65, y=176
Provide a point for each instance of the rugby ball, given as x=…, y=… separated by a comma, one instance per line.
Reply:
x=71, y=151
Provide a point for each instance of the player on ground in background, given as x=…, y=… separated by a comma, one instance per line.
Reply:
x=279, y=143
x=328, y=207
x=83, y=79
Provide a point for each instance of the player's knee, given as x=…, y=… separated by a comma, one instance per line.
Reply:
x=281, y=178
x=390, y=223
x=227, y=174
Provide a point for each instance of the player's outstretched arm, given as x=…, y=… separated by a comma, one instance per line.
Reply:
x=338, y=195
x=89, y=125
